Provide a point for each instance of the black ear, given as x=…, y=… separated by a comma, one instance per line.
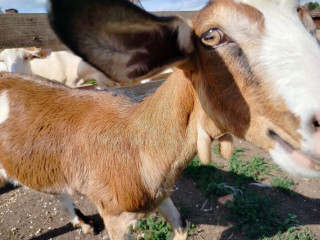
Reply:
x=120, y=39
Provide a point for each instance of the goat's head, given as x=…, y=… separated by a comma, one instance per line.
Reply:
x=253, y=62
x=18, y=59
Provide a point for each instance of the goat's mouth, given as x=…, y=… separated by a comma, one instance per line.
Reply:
x=302, y=159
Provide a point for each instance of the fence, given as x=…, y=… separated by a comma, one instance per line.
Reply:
x=33, y=30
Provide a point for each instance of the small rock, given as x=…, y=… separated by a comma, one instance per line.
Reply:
x=223, y=200
x=38, y=231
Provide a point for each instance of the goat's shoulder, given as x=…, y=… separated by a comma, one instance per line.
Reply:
x=19, y=77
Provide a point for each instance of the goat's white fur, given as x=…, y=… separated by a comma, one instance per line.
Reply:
x=294, y=48
x=4, y=107
x=171, y=214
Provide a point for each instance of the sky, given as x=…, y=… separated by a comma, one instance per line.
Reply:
x=39, y=6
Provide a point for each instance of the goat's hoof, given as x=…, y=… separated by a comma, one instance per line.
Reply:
x=86, y=227
x=83, y=222
x=3, y=182
x=179, y=235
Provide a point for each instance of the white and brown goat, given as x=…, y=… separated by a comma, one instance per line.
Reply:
x=124, y=153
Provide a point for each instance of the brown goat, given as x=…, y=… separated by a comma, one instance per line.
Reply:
x=125, y=152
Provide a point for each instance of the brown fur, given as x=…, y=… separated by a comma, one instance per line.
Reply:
x=45, y=139
x=239, y=14
x=226, y=146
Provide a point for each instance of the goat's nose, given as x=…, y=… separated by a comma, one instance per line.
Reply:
x=316, y=137
x=316, y=122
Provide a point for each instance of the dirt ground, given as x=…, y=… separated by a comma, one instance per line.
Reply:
x=26, y=214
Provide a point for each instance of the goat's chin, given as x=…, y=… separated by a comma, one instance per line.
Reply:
x=292, y=160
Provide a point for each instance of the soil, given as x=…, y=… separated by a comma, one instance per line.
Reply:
x=26, y=214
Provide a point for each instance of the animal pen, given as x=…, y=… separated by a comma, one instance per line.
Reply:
x=32, y=30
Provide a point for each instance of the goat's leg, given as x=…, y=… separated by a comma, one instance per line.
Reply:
x=226, y=146
x=172, y=215
x=118, y=227
x=3, y=177
x=76, y=216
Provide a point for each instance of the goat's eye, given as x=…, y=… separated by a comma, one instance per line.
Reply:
x=212, y=38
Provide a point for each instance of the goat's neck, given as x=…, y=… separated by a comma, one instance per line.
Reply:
x=168, y=120
x=153, y=141
x=169, y=108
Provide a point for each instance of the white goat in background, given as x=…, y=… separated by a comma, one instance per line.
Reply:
x=61, y=66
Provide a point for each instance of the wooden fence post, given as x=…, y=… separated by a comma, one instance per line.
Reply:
x=33, y=30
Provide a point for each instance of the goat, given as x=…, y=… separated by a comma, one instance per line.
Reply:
x=61, y=66
x=18, y=59
x=65, y=67
x=3, y=67
x=124, y=152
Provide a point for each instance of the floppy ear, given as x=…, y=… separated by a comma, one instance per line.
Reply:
x=45, y=52
x=306, y=20
x=31, y=54
x=120, y=39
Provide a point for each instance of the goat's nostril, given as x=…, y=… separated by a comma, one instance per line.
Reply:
x=316, y=124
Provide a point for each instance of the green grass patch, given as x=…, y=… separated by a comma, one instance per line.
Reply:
x=253, y=214
x=206, y=177
x=294, y=233
x=215, y=148
x=250, y=212
x=284, y=184
x=93, y=81
x=154, y=227
x=255, y=168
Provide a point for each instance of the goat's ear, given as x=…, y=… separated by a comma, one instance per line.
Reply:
x=34, y=54
x=122, y=40
x=306, y=20
x=45, y=52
